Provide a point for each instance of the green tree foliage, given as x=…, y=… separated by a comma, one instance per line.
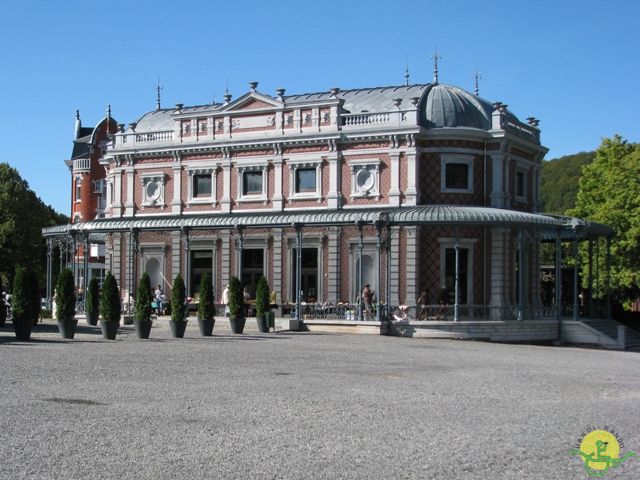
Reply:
x=65, y=295
x=110, y=300
x=92, y=300
x=144, y=297
x=22, y=217
x=178, y=297
x=610, y=194
x=262, y=297
x=20, y=298
x=206, y=308
x=34, y=296
x=559, y=180
x=236, y=298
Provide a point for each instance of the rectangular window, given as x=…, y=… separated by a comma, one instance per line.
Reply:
x=252, y=183
x=202, y=185
x=78, y=190
x=520, y=185
x=309, y=274
x=305, y=180
x=457, y=176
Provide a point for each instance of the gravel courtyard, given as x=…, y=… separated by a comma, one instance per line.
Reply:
x=305, y=406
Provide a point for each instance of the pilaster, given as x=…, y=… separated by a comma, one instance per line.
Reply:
x=176, y=202
x=333, y=294
x=226, y=182
x=129, y=204
x=411, y=266
x=394, y=290
x=394, y=190
x=176, y=252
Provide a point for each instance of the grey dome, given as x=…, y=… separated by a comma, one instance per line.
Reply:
x=448, y=106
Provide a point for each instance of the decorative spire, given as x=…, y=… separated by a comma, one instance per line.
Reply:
x=158, y=88
x=406, y=74
x=476, y=78
x=78, y=115
x=78, y=125
x=435, y=57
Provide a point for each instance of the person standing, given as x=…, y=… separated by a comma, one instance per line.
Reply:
x=225, y=300
x=158, y=297
x=367, y=296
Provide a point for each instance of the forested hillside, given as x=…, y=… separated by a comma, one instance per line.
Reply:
x=559, y=181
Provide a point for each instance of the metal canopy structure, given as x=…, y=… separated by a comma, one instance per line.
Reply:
x=421, y=215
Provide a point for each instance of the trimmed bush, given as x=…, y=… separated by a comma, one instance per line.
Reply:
x=143, y=310
x=236, y=298
x=110, y=300
x=178, y=297
x=20, y=298
x=65, y=295
x=92, y=299
x=262, y=297
x=206, y=308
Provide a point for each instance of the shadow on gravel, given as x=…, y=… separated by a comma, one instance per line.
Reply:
x=74, y=401
x=49, y=328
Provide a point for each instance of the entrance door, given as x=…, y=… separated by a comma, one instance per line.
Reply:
x=252, y=268
x=201, y=263
x=309, y=280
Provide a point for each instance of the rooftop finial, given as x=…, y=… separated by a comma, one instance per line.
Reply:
x=77, y=114
x=435, y=57
x=406, y=74
x=158, y=88
x=476, y=78
x=109, y=112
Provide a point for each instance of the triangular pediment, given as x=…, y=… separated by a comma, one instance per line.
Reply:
x=252, y=101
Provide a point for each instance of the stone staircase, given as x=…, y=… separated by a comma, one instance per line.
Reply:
x=610, y=328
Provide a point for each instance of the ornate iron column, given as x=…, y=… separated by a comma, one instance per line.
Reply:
x=387, y=296
x=521, y=275
x=49, y=268
x=85, y=262
x=239, y=249
x=590, y=291
x=187, y=260
x=558, y=267
x=456, y=288
x=608, y=277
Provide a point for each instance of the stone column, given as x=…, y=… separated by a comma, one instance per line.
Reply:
x=497, y=195
x=175, y=254
x=176, y=202
x=412, y=177
x=411, y=273
x=498, y=295
x=394, y=284
x=277, y=267
x=129, y=204
x=333, y=196
x=225, y=264
x=116, y=209
x=394, y=190
x=334, y=264
x=226, y=185
x=277, y=187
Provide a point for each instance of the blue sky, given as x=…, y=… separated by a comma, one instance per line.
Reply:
x=573, y=64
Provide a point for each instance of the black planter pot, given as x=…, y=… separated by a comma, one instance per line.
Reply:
x=109, y=329
x=263, y=323
x=22, y=329
x=92, y=318
x=67, y=327
x=143, y=328
x=237, y=324
x=206, y=326
x=178, y=328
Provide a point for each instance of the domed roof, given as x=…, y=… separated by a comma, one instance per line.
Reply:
x=448, y=106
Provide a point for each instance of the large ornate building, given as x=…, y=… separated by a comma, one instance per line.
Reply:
x=406, y=188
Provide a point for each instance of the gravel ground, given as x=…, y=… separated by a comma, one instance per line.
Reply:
x=303, y=406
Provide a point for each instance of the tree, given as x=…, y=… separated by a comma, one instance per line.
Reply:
x=236, y=298
x=206, y=308
x=559, y=180
x=65, y=295
x=110, y=300
x=34, y=296
x=178, y=307
x=22, y=217
x=143, y=310
x=609, y=193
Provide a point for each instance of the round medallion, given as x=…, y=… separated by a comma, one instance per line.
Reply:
x=365, y=180
x=153, y=190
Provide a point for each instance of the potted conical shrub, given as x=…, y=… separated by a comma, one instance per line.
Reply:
x=206, y=308
x=110, y=307
x=236, y=306
x=263, y=312
x=92, y=302
x=178, y=323
x=143, y=310
x=66, y=304
x=22, y=321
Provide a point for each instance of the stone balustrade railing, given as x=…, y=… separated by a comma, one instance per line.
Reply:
x=82, y=164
